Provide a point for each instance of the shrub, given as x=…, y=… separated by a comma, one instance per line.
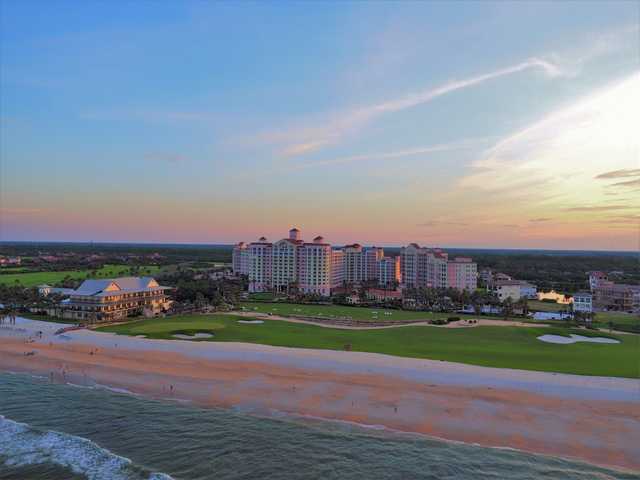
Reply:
x=453, y=319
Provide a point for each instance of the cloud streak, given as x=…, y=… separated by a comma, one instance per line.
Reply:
x=309, y=139
x=437, y=223
x=627, y=184
x=625, y=173
x=392, y=155
x=599, y=208
x=566, y=150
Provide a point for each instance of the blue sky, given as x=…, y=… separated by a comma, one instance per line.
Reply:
x=368, y=121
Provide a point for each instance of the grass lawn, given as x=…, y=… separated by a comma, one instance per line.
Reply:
x=262, y=296
x=334, y=311
x=621, y=321
x=13, y=269
x=38, y=278
x=505, y=347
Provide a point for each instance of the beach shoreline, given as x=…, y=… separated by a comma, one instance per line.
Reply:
x=593, y=419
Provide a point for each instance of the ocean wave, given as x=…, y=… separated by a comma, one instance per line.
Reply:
x=22, y=445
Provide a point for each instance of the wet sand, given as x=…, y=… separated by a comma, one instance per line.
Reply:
x=596, y=419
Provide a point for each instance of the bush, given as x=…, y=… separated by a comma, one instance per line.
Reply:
x=453, y=319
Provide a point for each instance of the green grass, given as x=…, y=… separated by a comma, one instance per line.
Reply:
x=38, y=278
x=263, y=296
x=335, y=311
x=617, y=317
x=504, y=347
x=4, y=270
x=621, y=321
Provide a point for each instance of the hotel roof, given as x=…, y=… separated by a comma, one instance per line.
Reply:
x=111, y=286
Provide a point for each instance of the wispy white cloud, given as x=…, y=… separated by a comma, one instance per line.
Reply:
x=302, y=140
x=624, y=173
x=568, y=151
x=438, y=223
x=469, y=143
x=317, y=132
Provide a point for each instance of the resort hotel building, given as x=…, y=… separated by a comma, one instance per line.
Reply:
x=111, y=299
x=291, y=264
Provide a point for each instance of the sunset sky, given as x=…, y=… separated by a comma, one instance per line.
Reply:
x=448, y=124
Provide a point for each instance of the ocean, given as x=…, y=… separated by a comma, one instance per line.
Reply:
x=60, y=432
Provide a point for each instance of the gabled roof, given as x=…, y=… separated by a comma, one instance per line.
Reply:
x=107, y=285
x=91, y=287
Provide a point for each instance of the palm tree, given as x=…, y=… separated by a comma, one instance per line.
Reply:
x=507, y=307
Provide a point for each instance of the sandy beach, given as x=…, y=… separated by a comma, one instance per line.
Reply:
x=595, y=419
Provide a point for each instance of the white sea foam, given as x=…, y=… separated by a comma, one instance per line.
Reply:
x=22, y=445
x=116, y=389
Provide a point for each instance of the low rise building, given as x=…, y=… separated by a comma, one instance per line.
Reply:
x=485, y=276
x=382, y=295
x=528, y=290
x=507, y=289
x=595, y=279
x=5, y=261
x=583, y=302
x=45, y=290
x=617, y=296
x=117, y=298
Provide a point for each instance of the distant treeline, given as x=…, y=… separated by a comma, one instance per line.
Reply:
x=565, y=271
x=172, y=253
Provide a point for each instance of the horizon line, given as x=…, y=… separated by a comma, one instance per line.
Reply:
x=109, y=242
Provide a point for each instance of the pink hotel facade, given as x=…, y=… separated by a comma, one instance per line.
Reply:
x=316, y=267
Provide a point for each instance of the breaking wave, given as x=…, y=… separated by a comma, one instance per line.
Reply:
x=22, y=445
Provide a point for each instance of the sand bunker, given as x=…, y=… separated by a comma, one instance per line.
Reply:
x=182, y=336
x=250, y=321
x=575, y=338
